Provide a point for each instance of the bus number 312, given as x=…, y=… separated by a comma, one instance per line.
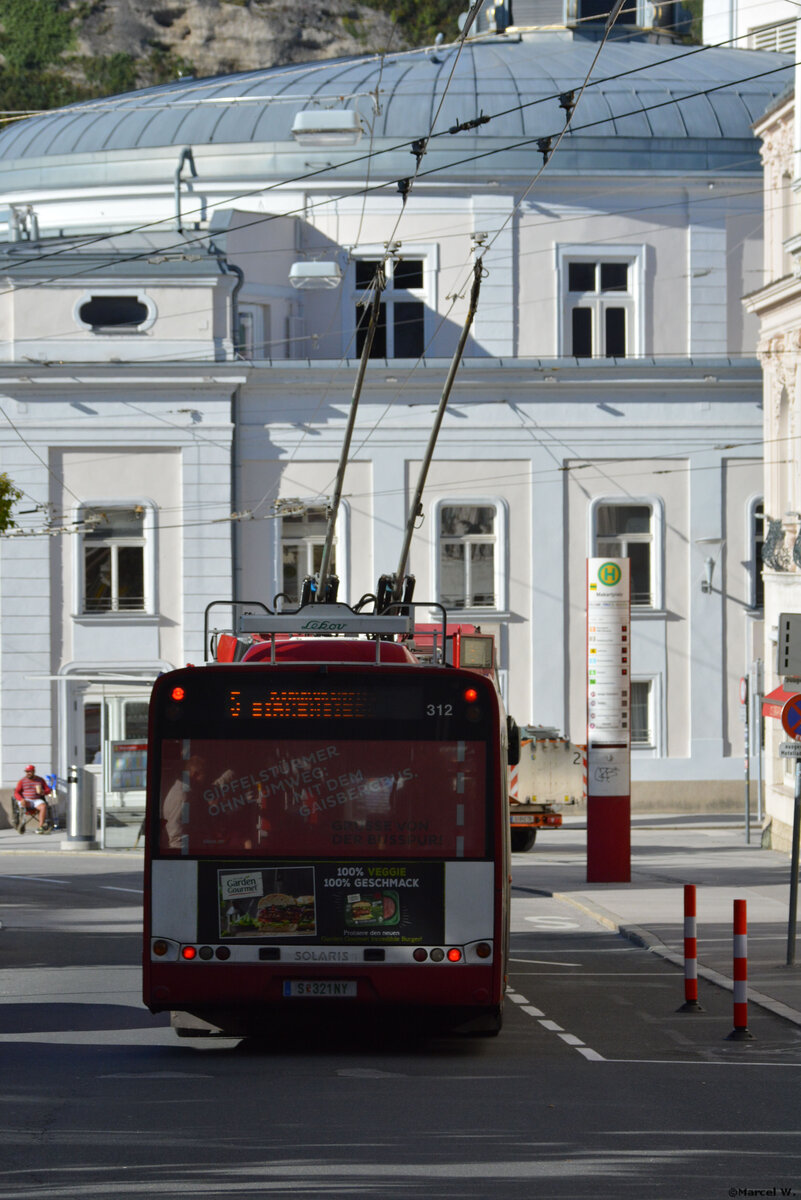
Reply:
x=439, y=710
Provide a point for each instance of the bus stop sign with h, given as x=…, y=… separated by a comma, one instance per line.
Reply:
x=608, y=720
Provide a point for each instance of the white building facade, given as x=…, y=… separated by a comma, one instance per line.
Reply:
x=174, y=409
x=778, y=306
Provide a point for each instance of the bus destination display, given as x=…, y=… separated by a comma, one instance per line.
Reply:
x=263, y=701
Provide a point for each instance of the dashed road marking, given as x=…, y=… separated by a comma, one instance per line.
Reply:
x=569, y=1039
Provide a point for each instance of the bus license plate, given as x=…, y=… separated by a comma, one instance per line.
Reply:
x=319, y=987
x=522, y=820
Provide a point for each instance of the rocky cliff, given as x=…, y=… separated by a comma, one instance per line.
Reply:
x=215, y=37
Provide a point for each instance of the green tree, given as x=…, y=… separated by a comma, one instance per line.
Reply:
x=9, y=496
x=112, y=74
x=35, y=32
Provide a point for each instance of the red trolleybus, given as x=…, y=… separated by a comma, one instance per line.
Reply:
x=327, y=832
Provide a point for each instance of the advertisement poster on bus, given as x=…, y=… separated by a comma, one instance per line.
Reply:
x=346, y=903
x=361, y=797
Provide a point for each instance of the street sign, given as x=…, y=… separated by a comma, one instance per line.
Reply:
x=789, y=749
x=791, y=716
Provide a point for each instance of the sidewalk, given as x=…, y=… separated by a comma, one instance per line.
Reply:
x=666, y=853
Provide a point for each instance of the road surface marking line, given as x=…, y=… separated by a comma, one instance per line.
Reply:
x=532, y=1012
x=704, y=1062
x=571, y=1039
x=549, y=962
x=592, y=1055
x=38, y=879
x=598, y=974
x=516, y=998
x=108, y=888
x=552, y=1026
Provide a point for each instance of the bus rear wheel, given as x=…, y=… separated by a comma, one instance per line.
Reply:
x=523, y=839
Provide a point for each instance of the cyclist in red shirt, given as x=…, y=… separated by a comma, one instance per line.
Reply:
x=30, y=794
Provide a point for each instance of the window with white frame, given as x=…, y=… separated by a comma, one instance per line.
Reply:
x=400, y=332
x=601, y=307
x=104, y=312
x=627, y=529
x=302, y=540
x=756, y=540
x=113, y=548
x=468, y=555
x=642, y=719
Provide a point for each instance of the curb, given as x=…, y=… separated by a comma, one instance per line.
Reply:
x=649, y=941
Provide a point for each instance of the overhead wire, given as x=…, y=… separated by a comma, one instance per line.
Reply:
x=528, y=141
x=356, y=160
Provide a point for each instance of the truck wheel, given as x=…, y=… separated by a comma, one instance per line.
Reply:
x=523, y=839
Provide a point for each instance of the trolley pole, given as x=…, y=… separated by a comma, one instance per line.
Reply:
x=333, y=507
x=416, y=506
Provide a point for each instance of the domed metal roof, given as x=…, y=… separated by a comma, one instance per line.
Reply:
x=656, y=92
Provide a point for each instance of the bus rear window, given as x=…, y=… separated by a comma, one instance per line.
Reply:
x=421, y=798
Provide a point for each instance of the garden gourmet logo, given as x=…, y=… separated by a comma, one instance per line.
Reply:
x=609, y=574
x=330, y=626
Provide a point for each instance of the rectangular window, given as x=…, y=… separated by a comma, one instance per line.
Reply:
x=113, y=560
x=295, y=799
x=467, y=549
x=401, y=324
x=598, y=10
x=642, y=718
x=135, y=720
x=598, y=304
x=302, y=542
x=582, y=332
x=625, y=530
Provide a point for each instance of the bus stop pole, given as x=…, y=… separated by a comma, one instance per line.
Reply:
x=103, y=767
x=747, y=739
x=758, y=727
x=791, y=924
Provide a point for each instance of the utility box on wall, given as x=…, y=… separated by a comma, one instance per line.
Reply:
x=788, y=650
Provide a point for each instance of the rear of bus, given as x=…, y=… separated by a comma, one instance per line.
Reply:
x=326, y=839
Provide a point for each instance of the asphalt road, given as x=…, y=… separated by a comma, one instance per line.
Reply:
x=595, y=1088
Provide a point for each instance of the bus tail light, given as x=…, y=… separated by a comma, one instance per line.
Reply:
x=188, y=952
x=419, y=955
x=483, y=950
x=454, y=955
x=160, y=947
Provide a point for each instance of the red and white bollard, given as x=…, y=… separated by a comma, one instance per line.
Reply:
x=690, y=953
x=740, y=1032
